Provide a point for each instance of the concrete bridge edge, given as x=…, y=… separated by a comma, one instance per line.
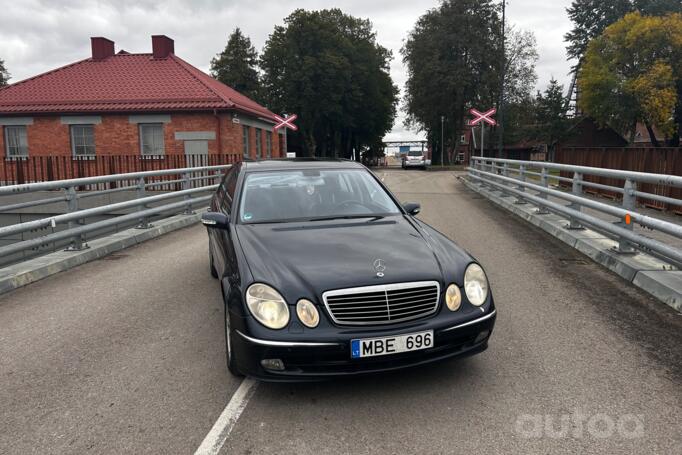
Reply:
x=656, y=277
x=32, y=270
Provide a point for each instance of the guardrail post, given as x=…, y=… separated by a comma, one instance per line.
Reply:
x=77, y=241
x=186, y=185
x=578, y=191
x=522, y=177
x=141, y=192
x=544, y=181
x=629, y=203
x=505, y=173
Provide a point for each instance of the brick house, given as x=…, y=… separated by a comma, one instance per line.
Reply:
x=150, y=106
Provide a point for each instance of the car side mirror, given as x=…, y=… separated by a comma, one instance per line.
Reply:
x=215, y=220
x=413, y=208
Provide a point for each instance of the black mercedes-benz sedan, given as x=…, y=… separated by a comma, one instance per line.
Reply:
x=324, y=273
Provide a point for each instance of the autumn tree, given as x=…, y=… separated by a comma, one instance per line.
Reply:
x=327, y=67
x=236, y=65
x=633, y=73
x=4, y=74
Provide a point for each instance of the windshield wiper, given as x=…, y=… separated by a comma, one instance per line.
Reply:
x=346, y=217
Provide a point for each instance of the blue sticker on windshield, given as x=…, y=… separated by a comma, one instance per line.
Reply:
x=248, y=216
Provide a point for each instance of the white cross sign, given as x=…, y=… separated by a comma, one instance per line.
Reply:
x=286, y=122
x=483, y=117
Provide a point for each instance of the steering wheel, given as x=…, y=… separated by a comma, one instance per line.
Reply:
x=349, y=203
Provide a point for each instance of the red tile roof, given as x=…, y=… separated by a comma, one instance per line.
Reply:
x=124, y=83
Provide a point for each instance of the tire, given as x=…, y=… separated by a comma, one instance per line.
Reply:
x=229, y=353
x=211, y=266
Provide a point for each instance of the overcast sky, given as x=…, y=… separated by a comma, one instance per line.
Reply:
x=39, y=35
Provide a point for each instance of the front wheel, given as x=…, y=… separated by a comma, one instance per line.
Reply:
x=229, y=353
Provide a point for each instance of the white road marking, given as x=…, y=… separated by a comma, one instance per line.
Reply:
x=215, y=438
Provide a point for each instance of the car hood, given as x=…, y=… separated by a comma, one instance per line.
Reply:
x=306, y=259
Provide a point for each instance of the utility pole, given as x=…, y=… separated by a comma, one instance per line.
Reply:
x=503, y=62
x=442, y=143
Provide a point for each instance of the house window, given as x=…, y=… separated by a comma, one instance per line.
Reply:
x=16, y=142
x=245, y=141
x=83, y=140
x=259, y=144
x=462, y=139
x=268, y=144
x=151, y=139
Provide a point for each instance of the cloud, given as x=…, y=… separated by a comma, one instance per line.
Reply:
x=39, y=35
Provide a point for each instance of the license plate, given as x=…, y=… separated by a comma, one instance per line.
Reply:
x=371, y=347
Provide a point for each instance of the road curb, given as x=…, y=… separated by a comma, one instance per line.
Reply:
x=656, y=277
x=27, y=272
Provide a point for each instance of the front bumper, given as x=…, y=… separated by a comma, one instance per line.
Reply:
x=314, y=360
x=414, y=164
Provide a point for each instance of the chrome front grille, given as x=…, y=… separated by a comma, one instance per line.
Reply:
x=382, y=304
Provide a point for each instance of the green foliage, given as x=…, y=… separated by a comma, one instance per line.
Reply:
x=590, y=18
x=633, y=72
x=236, y=65
x=551, y=118
x=453, y=58
x=327, y=67
x=4, y=74
x=451, y=67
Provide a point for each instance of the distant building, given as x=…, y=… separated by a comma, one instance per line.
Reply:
x=149, y=104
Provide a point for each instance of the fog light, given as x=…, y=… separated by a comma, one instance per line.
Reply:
x=307, y=313
x=272, y=364
x=482, y=336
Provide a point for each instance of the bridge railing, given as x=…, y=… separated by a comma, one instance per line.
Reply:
x=149, y=194
x=511, y=177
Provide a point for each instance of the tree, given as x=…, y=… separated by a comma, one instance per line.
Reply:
x=551, y=118
x=449, y=67
x=4, y=74
x=327, y=67
x=236, y=65
x=633, y=72
x=590, y=18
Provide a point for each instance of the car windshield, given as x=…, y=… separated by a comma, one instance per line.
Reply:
x=281, y=196
x=414, y=153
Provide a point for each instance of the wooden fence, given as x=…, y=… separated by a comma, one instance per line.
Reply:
x=49, y=168
x=661, y=160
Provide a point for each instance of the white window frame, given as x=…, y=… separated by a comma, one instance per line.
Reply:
x=246, y=132
x=158, y=142
x=259, y=144
x=72, y=129
x=23, y=142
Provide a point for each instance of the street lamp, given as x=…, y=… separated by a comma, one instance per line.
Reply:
x=442, y=142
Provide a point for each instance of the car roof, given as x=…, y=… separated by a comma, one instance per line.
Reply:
x=299, y=163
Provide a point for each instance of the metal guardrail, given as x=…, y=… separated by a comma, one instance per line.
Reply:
x=497, y=173
x=193, y=181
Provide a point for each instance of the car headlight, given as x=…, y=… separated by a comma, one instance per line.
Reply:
x=267, y=306
x=453, y=297
x=475, y=285
x=307, y=313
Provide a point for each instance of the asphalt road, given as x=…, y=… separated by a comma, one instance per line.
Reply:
x=126, y=355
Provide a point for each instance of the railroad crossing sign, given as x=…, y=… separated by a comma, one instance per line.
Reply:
x=483, y=117
x=286, y=122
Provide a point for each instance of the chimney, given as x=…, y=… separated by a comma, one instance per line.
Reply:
x=162, y=46
x=101, y=48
